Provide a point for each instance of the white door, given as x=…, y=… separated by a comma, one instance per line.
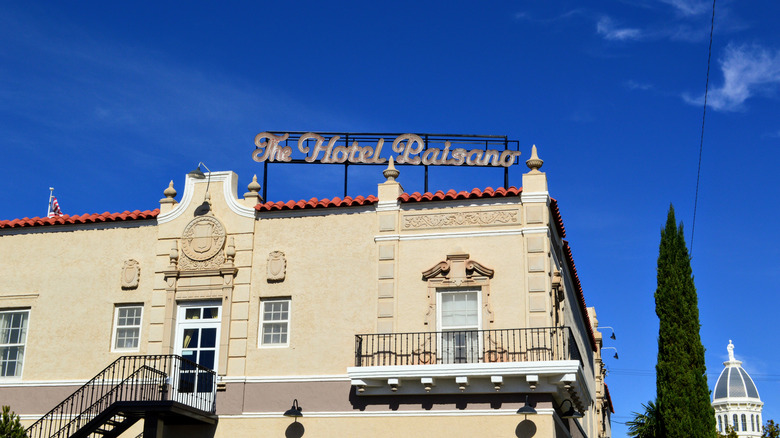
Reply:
x=197, y=340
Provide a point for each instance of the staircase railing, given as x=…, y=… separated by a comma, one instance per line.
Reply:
x=130, y=378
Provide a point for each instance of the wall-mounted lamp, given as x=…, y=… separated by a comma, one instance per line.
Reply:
x=295, y=411
x=611, y=348
x=198, y=174
x=612, y=336
x=527, y=409
x=571, y=413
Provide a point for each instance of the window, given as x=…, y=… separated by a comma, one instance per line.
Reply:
x=720, y=424
x=127, y=328
x=274, y=330
x=736, y=422
x=744, y=423
x=459, y=322
x=752, y=423
x=13, y=334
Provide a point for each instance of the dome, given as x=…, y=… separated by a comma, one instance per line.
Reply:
x=734, y=381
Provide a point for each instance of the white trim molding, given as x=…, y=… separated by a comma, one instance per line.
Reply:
x=229, y=182
x=526, y=197
x=415, y=413
x=545, y=376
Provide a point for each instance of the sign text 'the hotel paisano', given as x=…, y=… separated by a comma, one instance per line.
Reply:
x=410, y=149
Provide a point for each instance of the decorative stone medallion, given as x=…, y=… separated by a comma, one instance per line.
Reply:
x=203, y=238
x=131, y=273
x=277, y=266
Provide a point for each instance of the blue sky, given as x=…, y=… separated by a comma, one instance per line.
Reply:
x=109, y=101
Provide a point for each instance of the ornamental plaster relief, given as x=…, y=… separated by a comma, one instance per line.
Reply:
x=460, y=219
x=131, y=273
x=276, y=266
x=201, y=244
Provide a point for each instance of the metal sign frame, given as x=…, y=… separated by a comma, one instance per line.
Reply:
x=488, y=142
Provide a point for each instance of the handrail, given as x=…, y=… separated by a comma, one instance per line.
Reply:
x=164, y=377
x=466, y=346
x=150, y=391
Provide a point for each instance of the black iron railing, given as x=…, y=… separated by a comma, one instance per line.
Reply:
x=130, y=379
x=466, y=346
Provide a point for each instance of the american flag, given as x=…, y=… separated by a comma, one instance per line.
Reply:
x=54, y=208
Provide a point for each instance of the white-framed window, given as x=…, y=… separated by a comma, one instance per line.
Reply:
x=13, y=335
x=275, y=322
x=127, y=327
x=459, y=322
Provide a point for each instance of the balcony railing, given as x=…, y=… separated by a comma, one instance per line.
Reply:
x=466, y=346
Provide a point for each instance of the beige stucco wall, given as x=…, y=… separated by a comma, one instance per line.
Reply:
x=70, y=279
x=423, y=424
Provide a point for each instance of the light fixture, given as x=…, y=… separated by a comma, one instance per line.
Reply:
x=198, y=174
x=295, y=411
x=612, y=336
x=571, y=413
x=612, y=348
x=527, y=409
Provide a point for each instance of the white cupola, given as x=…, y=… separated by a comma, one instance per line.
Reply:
x=735, y=399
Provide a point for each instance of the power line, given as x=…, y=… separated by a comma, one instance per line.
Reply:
x=703, y=116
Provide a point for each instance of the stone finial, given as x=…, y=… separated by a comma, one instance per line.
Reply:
x=390, y=173
x=170, y=194
x=254, y=186
x=174, y=255
x=534, y=163
x=253, y=194
x=230, y=251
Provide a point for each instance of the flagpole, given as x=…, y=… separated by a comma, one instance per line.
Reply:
x=51, y=194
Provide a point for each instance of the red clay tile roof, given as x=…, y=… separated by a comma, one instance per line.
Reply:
x=609, y=398
x=452, y=194
x=83, y=219
x=557, y=217
x=317, y=203
x=578, y=289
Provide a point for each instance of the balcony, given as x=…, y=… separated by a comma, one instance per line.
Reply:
x=469, y=361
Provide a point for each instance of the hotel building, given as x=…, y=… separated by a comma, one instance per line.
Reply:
x=395, y=314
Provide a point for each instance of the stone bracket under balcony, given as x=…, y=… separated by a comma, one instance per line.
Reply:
x=475, y=378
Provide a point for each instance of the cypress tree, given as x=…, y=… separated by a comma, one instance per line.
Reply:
x=682, y=393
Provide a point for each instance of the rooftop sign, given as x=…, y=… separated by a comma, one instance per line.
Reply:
x=414, y=149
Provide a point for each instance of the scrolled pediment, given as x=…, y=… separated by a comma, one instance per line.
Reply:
x=457, y=266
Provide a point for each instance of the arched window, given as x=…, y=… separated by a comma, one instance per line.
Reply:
x=744, y=423
x=752, y=423
x=736, y=422
x=720, y=424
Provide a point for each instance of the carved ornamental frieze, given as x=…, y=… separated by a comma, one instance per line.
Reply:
x=201, y=244
x=131, y=274
x=277, y=266
x=460, y=219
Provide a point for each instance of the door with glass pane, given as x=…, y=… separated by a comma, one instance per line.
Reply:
x=197, y=340
x=459, y=323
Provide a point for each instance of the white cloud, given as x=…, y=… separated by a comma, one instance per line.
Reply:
x=747, y=71
x=607, y=28
x=690, y=7
x=634, y=85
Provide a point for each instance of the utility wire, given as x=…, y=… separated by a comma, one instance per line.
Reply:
x=703, y=116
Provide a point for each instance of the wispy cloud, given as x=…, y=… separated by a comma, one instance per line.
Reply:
x=610, y=31
x=690, y=7
x=634, y=85
x=525, y=16
x=748, y=70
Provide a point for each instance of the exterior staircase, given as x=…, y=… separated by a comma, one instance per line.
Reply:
x=132, y=388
